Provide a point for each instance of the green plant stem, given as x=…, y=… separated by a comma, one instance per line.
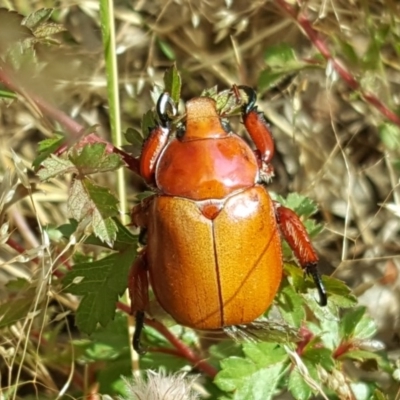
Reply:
x=109, y=44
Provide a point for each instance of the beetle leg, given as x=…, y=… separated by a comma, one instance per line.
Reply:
x=258, y=129
x=157, y=139
x=140, y=213
x=295, y=234
x=138, y=287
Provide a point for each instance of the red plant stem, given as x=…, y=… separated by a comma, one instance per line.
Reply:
x=181, y=349
x=343, y=348
x=124, y=307
x=18, y=248
x=165, y=351
x=343, y=72
x=71, y=126
x=184, y=350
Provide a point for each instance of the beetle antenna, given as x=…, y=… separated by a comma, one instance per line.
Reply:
x=251, y=98
x=163, y=102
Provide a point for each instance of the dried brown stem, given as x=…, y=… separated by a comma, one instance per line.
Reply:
x=71, y=126
x=320, y=43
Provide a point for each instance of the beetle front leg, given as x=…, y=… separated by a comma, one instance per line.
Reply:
x=138, y=287
x=258, y=129
x=157, y=139
x=295, y=234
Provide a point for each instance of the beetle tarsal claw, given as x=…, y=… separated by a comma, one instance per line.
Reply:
x=311, y=270
x=139, y=317
x=251, y=98
x=165, y=108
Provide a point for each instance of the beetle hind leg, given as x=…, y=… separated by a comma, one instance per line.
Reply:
x=294, y=232
x=138, y=286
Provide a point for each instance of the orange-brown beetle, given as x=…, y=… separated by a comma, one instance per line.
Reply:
x=213, y=252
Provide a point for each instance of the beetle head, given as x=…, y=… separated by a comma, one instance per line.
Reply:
x=202, y=120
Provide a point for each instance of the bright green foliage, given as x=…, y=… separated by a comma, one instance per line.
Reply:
x=281, y=61
x=291, y=305
x=92, y=159
x=134, y=137
x=148, y=122
x=46, y=148
x=302, y=205
x=298, y=386
x=90, y=204
x=55, y=166
x=37, y=18
x=256, y=376
x=173, y=83
x=94, y=206
x=100, y=283
x=166, y=49
x=390, y=135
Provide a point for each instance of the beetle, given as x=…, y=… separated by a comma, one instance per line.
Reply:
x=213, y=254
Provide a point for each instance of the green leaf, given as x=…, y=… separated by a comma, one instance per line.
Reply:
x=94, y=158
x=361, y=355
x=100, y=283
x=297, y=385
x=320, y=356
x=280, y=55
x=48, y=29
x=172, y=83
x=349, y=322
x=378, y=395
x=123, y=240
x=148, y=123
x=134, y=137
x=372, y=57
x=255, y=377
x=390, y=135
x=166, y=49
x=47, y=147
x=110, y=377
x=339, y=293
x=108, y=342
x=281, y=61
x=348, y=51
x=301, y=205
x=366, y=328
x=291, y=305
x=95, y=205
x=270, y=78
x=7, y=94
x=33, y=20
x=54, y=166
